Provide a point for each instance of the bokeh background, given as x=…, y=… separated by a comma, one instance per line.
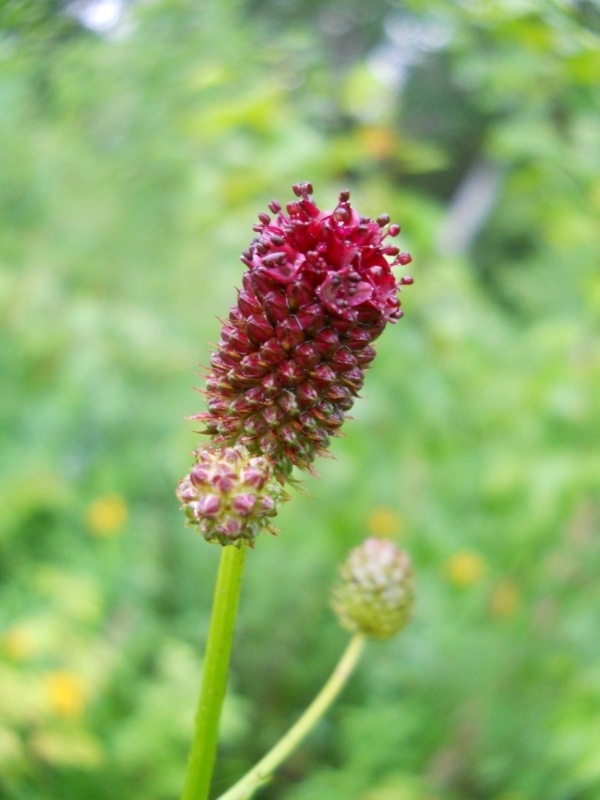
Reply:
x=138, y=142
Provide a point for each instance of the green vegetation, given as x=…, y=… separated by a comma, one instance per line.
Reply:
x=134, y=164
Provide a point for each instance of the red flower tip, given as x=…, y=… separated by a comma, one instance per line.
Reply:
x=317, y=292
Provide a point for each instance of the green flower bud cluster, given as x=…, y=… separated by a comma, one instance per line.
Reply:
x=230, y=495
x=376, y=591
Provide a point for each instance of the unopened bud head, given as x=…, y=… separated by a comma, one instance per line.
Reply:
x=376, y=591
x=230, y=495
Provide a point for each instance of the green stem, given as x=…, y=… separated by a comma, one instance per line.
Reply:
x=214, y=674
x=260, y=774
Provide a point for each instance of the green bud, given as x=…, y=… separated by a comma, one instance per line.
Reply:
x=376, y=591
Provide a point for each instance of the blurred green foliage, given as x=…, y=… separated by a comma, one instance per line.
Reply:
x=134, y=163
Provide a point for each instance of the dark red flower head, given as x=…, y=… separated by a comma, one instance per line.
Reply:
x=318, y=291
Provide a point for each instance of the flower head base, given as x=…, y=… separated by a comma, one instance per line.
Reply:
x=230, y=495
x=318, y=291
x=376, y=592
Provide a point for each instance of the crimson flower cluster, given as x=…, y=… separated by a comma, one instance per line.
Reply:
x=318, y=291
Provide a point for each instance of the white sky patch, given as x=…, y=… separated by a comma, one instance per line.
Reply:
x=100, y=16
x=407, y=41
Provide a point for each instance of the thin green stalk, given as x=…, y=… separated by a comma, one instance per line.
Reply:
x=261, y=773
x=214, y=674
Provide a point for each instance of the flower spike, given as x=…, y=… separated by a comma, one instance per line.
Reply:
x=317, y=292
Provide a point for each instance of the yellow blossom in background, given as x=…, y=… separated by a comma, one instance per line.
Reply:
x=506, y=599
x=384, y=522
x=18, y=644
x=465, y=568
x=66, y=693
x=106, y=515
x=378, y=141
